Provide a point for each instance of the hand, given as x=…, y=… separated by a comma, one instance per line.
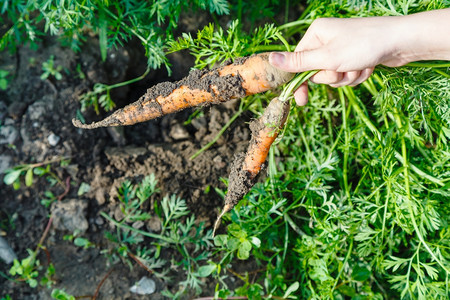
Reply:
x=347, y=50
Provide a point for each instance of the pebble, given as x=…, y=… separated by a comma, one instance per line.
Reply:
x=5, y=163
x=6, y=253
x=179, y=132
x=145, y=286
x=53, y=139
x=99, y=221
x=8, y=133
x=154, y=224
x=70, y=215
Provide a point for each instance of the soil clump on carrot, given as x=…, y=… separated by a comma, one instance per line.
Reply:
x=240, y=181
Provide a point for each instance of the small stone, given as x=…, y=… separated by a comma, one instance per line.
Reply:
x=178, y=132
x=145, y=286
x=100, y=196
x=118, y=214
x=154, y=224
x=5, y=163
x=8, y=133
x=70, y=215
x=37, y=110
x=99, y=221
x=53, y=139
x=138, y=224
x=6, y=253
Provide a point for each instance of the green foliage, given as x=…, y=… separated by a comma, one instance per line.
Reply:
x=4, y=79
x=50, y=69
x=215, y=46
x=357, y=203
x=61, y=295
x=115, y=22
x=78, y=240
x=27, y=171
x=26, y=269
x=29, y=269
x=180, y=235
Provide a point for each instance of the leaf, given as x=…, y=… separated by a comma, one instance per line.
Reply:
x=82, y=242
x=11, y=176
x=205, y=271
x=102, y=32
x=3, y=84
x=29, y=177
x=256, y=242
x=40, y=171
x=292, y=288
x=347, y=290
x=360, y=273
x=244, y=250
x=83, y=189
x=220, y=240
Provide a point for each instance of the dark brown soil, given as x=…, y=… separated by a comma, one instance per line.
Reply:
x=40, y=113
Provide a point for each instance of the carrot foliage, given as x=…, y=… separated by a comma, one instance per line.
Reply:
x=356, y=199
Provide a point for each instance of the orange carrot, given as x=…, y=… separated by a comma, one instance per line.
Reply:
x=246, y=76
x=246, y=167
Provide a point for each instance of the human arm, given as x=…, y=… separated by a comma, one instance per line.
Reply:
x=347, y=50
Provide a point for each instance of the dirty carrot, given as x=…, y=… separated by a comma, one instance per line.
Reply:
x=246, y=167
x=245, y=76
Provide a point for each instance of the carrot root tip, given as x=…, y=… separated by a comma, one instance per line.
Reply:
x=225, y=209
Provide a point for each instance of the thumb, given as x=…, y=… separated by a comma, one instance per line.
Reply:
x=300, y=61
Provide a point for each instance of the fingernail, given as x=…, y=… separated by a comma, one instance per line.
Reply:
x=277, y=59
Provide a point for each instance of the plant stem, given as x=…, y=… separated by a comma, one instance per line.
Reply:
x=349, y=252
x=408, y=195
x=346, y=143
x=268, y=48
x=398, y=156
x=144, y=233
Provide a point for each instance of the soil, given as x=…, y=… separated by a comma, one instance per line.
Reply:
x=35, y=118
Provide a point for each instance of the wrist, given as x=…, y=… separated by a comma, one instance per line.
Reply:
x=424, y=36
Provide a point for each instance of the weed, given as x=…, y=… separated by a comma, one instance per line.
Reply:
x=61, y=295
x=13, y=175
x=4, y=79
x=50, y=69
x=78, y=240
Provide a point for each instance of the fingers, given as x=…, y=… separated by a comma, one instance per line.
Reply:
x=301, y=95
x=332, y=78
x=299, y=61
x=338, y=79
x=365, y=74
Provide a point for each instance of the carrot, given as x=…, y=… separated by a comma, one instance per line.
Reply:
x=246, y=76
x=246, y=167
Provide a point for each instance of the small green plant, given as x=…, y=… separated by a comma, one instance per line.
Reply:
x=4, y=79
x=61, y=295
x=29, y=269
x=26, y=269
x=50, y=69
x=78, y=240
x=27, y=171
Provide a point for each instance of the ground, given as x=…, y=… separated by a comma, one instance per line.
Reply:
x=35, y=118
